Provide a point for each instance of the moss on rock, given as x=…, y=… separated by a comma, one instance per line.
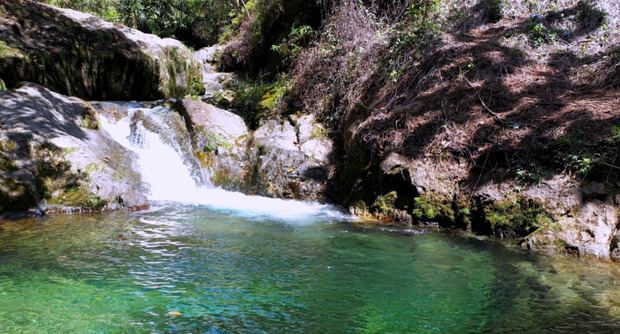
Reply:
x=89, y=118
x=511, y=218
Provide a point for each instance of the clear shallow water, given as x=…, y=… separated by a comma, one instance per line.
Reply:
x=125, y=272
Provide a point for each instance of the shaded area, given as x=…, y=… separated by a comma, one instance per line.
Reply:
x=497, y=107
x=44, y=46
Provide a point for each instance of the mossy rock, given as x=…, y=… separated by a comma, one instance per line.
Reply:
x=89, y=118
x=90, y=58
x=78, y=197
x=272, y=97
x=385, y=211
x=510, y=219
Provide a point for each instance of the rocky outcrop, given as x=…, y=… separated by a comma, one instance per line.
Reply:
x=221, y=143
x=214, y=82
x=293, y=158
x=54, y=158
x=557, y=214
x=287, y=159
x=77, y=54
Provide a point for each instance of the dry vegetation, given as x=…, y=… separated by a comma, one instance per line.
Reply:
x=520, y=89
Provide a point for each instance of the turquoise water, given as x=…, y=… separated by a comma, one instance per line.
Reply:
x=126, y=273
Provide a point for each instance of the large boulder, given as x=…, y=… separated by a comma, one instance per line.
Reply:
x=81, y=55
x=285, y=159
x=294, y=158
x=221, y=143
x=54, y=158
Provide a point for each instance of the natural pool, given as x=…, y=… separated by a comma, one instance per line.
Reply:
x=126, y=273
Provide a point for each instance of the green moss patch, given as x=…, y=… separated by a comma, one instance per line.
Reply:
x=89, y=118
x=511, y=219
x=78, y=197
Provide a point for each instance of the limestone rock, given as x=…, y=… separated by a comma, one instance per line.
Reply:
x=221, y=141
x=81, y=55
x=293, y=158
x=53, y=154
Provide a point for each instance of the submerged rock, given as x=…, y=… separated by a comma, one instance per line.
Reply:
x=81, y=55
x=54, y=158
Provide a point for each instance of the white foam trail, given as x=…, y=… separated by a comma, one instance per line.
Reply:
x=169, y=179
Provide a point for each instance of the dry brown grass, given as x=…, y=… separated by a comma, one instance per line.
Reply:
x=495, y=93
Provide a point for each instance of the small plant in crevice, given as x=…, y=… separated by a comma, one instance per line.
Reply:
x=585, y=158
x=530, y=174
x=292, y=46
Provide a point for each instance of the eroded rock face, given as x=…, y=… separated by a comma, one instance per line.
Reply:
x=557, y=214
x=221, y=143
x=287, y=159
x=214, y=82
x=77, y=54
x=54, y=157
x=293, y=158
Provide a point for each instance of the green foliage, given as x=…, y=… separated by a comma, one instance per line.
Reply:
x=213, y=141
x=294, y=43
x=89, y=118
x=420, y=9
x=106, y=9
x=385, y=203
x=530, y=174
x=429, y=209
x=515, y=218
x=256, y=99
x=576, y=153
x=615, y=134
x=2, y=85
x=540, y=34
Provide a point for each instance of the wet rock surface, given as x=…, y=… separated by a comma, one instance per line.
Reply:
x=221, y=143
x=77, y=54
x=282, y=158
x=54, y=158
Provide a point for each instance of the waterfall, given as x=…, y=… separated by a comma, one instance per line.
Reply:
x=171, y=173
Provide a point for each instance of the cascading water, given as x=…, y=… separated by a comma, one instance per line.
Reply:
x=172, y=175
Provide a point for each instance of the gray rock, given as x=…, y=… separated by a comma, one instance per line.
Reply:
x=53, y=151
x=214, y=81
x=221, y=143
x=293, y=159
x=81, y=55
x=271, y=161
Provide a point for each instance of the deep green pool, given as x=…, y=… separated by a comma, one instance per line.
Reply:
x=125, y=273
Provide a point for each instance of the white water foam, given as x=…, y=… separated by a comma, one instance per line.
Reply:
x=170, y=180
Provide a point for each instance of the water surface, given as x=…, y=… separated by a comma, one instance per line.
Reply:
x=125, y=272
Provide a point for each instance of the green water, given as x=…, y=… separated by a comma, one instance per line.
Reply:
x=125, y=273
